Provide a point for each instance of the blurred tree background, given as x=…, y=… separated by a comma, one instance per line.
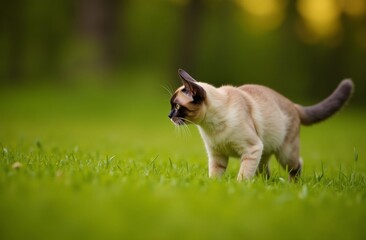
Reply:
x=301, y=48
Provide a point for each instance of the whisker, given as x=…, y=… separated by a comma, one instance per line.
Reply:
x=183, y=131
x=177, y=129
x=168, y=89
x=188, y=131
x=185, y=126
x=186, y=120
x=181, y=128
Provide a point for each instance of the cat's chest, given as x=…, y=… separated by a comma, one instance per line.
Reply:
x=228, y=149
x=225, y=143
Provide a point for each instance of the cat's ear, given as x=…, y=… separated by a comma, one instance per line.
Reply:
x=191, y=86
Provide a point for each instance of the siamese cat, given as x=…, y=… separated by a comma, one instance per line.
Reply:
x=250, y=122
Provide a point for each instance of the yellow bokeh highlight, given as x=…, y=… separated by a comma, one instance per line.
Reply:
x=264, y=14
x=321, y=17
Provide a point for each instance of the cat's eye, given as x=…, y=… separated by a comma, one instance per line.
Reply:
x=177, y=106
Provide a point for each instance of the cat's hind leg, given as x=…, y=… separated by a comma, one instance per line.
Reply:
x=289, y=158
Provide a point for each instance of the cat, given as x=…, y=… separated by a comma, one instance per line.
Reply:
x=250, y=122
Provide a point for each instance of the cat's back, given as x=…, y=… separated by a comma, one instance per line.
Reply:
x=257, y=96
x=259, y=91
x=267, y=97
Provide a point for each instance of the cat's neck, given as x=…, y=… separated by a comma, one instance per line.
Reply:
x=215, y=119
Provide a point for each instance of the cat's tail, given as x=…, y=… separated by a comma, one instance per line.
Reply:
x=326, y=108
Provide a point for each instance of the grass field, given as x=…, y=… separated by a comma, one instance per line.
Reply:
x=107, y=164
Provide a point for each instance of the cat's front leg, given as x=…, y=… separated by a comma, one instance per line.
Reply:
x=217, y=164
x=250, y=161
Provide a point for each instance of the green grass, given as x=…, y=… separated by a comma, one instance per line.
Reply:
x=108, y=164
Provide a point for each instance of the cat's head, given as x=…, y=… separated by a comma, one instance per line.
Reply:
x=188, y=103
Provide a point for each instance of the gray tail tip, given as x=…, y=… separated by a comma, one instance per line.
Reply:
x=347, y=83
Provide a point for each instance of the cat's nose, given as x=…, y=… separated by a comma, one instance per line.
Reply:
x=170, y=114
